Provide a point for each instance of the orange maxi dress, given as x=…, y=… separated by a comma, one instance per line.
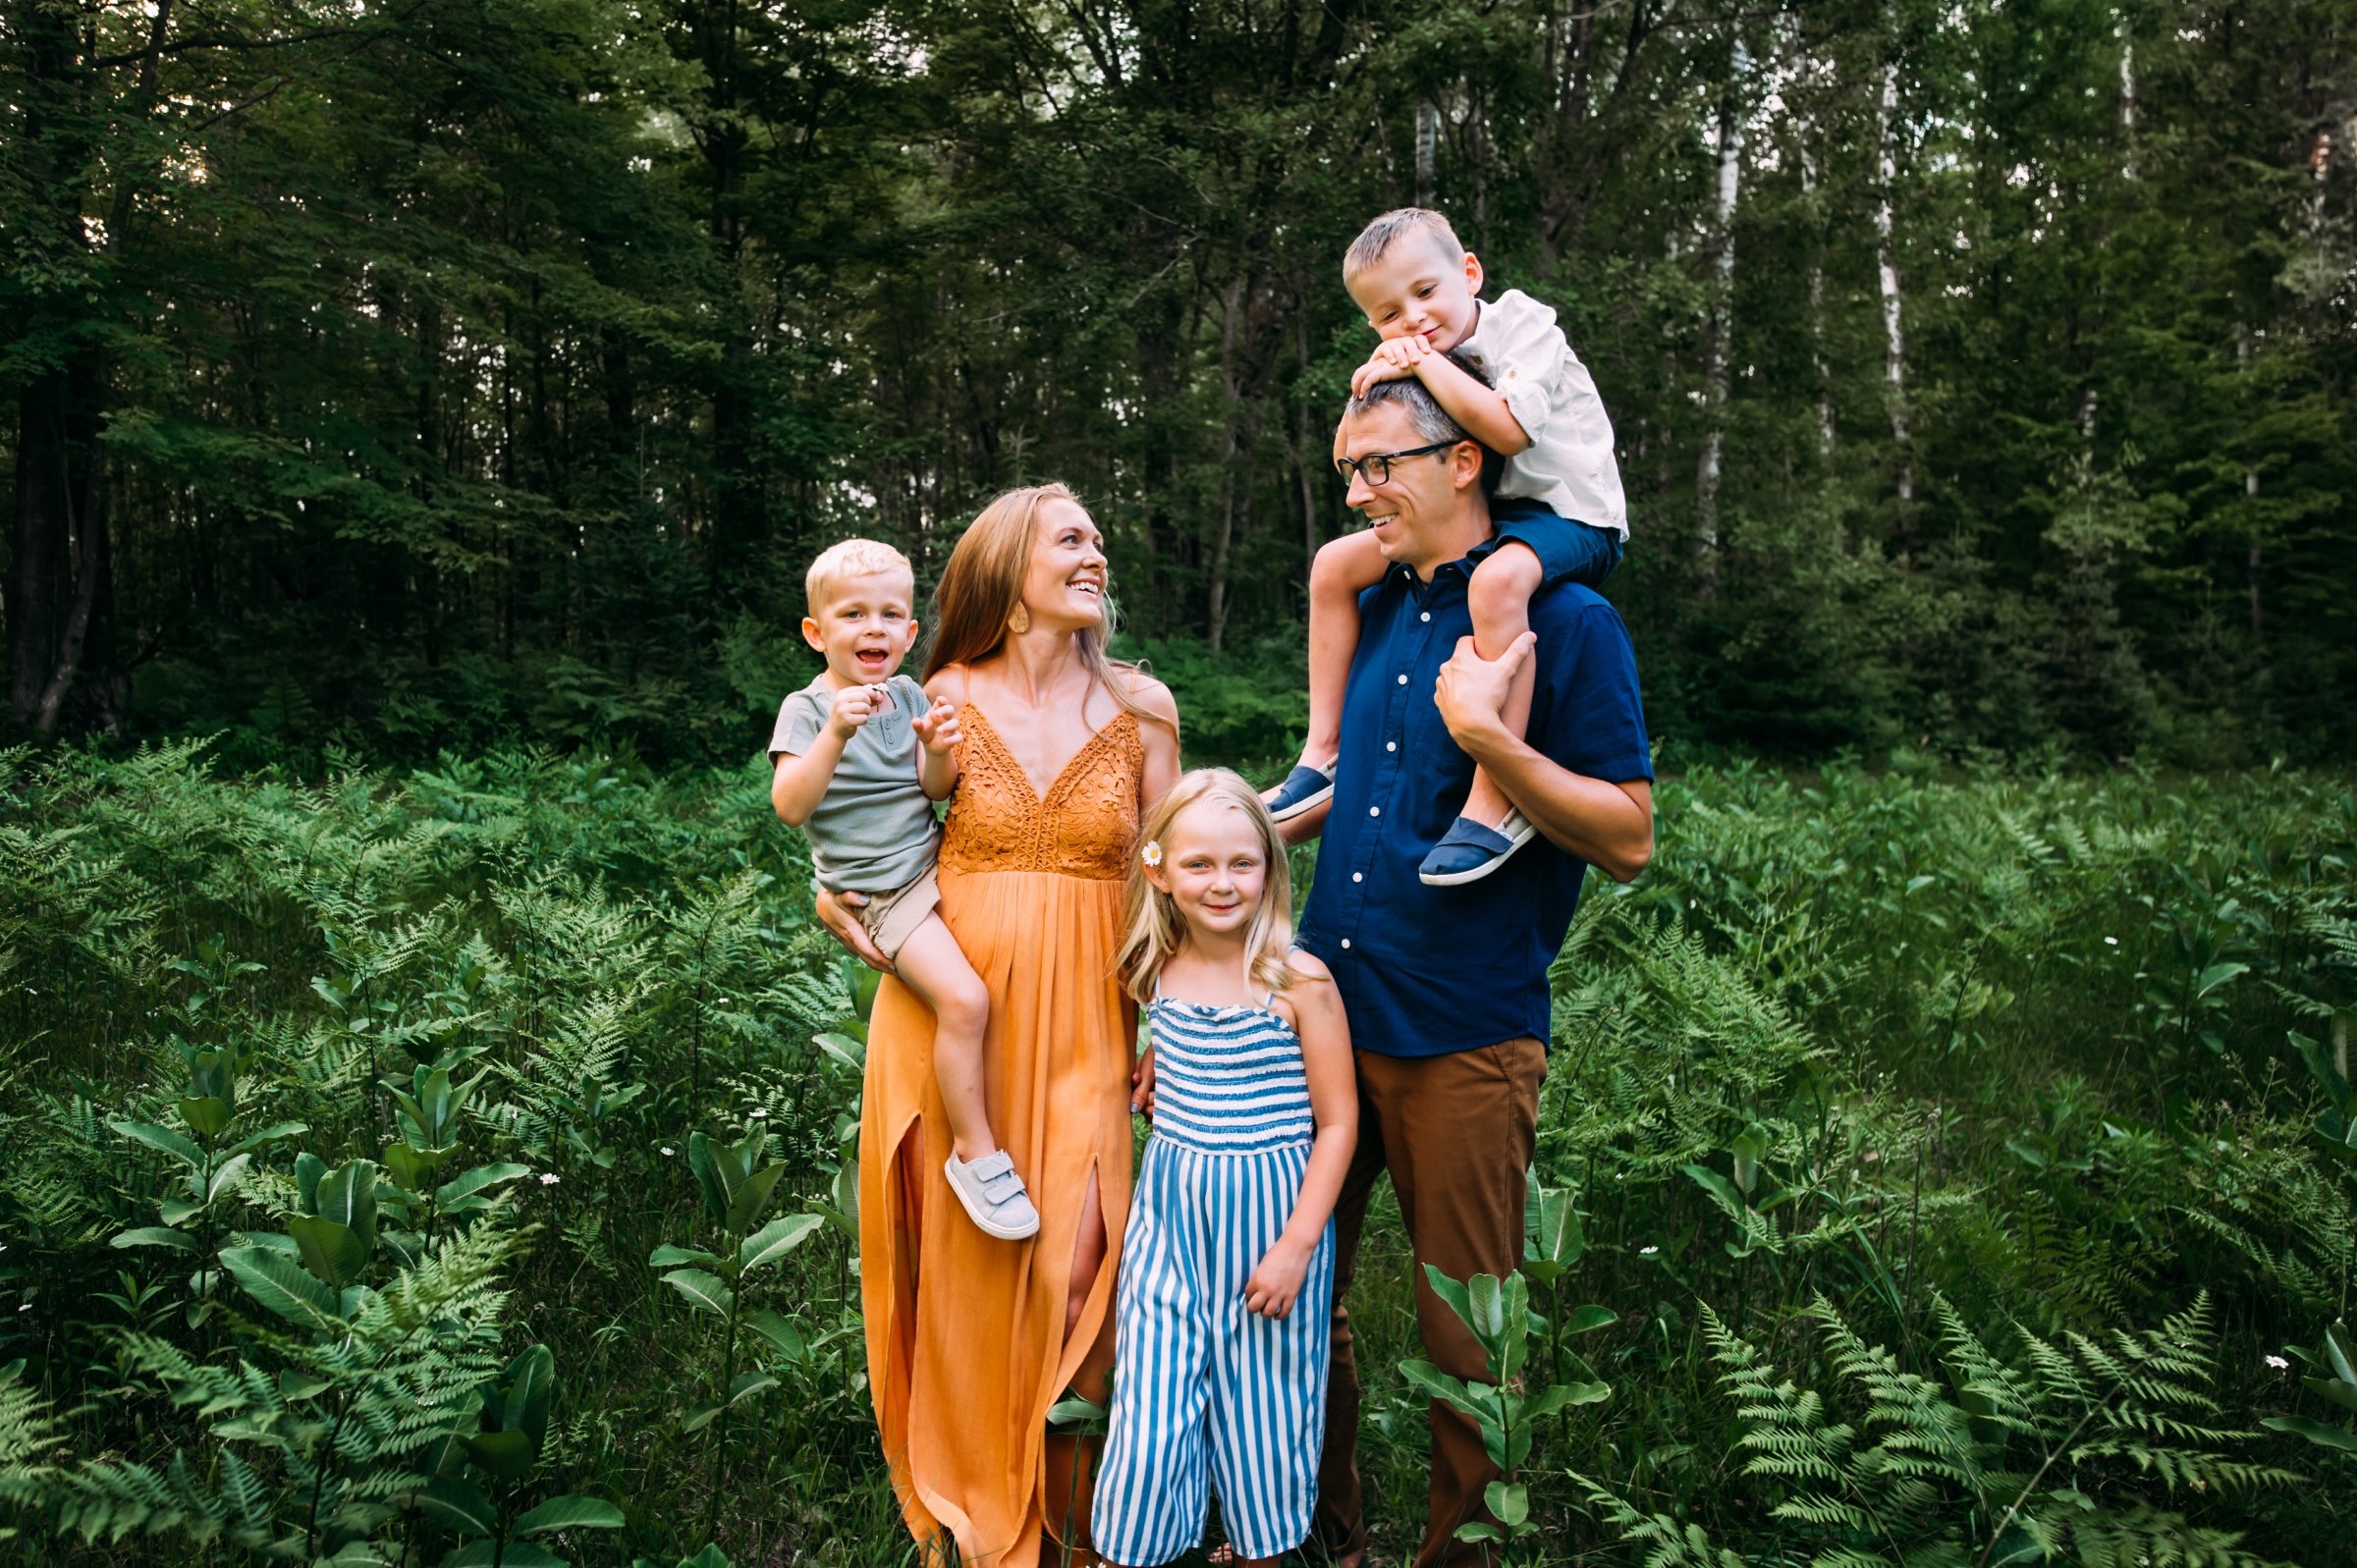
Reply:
x=965, y=1341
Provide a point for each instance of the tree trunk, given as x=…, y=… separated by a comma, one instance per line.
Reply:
x=1817, y=366
x=1428, y=134
x=1718, y=328
x=1894, y=351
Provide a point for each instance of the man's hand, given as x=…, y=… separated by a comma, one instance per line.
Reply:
x=1276, y=1281
x=1472, y=689
x=855, y=706
x=1393, y=359
x=1141, y=1096
x=835, y=913
x=937, y=726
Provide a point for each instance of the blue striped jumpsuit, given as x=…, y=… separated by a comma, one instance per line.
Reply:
x=1204, y=1392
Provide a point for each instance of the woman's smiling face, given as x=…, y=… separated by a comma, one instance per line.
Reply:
x=1064, y=587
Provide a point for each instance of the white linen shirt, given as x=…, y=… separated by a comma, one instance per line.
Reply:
x=1568, y=466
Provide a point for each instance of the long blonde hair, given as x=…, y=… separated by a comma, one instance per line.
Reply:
x=984, y=584
x=1150, y=916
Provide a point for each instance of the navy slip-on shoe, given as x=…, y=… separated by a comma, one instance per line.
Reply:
x=1305, y=787
x=1469, y=851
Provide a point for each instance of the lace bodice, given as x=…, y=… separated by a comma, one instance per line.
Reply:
x=1084, y=825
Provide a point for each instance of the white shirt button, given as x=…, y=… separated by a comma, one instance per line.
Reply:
x=1346, y=943
x=1358, y=875
x=1374, y=811
x=1391, y=745
x=1425, y=615
x=1403, y=679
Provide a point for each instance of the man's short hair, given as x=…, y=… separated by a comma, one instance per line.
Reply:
x=1433, y=422
x=839, y=562
x=1376, y=239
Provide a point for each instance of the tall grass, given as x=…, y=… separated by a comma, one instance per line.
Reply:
x=1873, y=1083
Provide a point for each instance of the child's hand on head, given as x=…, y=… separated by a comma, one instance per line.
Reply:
x=855, y=706
x=1277, y=1279
x=1393, y=359
x=937, y=726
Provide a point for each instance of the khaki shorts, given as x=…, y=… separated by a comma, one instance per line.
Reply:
x=892, y=918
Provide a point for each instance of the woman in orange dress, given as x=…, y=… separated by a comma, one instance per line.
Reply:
x=970, y=1339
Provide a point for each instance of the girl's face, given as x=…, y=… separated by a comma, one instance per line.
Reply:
x=1215, y=868
x=1064, y=587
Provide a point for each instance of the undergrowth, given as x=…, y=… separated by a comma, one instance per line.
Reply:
x=1963, y=1169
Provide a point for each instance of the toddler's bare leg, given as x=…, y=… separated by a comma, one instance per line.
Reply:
x=1499, y=596
x=932, y=964
x=1343, y=569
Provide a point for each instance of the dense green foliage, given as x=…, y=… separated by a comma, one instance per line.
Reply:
x=1943, y=1160
x=433, y=373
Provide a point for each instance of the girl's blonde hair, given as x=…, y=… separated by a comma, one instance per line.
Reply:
x=983, y=583
x=1150, y=916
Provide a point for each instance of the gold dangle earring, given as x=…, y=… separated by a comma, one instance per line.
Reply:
x=1019, y=619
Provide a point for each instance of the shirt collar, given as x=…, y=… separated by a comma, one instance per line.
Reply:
x=1405, y=575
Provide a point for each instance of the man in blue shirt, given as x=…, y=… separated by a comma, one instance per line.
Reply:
x=1447, y=987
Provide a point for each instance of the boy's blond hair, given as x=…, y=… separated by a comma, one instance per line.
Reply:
x=1376, y=239
x=848, y=559
x=1151, y=919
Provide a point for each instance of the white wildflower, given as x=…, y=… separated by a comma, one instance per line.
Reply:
x=668, y=1150
x=2111, y=941
x=548, y=1178
x=2278, y=1363
x=1647, y=1252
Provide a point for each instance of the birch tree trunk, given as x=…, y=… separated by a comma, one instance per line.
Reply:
x=1428, y=136
x=1894, y=347
x=1825, y=380
x=1718, y=328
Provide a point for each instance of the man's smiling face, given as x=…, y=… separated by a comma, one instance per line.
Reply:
x=1410, y=512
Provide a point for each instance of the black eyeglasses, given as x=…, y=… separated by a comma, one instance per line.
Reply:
x=1375, y=466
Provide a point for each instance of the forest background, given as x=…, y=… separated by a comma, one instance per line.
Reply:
x=421, y=374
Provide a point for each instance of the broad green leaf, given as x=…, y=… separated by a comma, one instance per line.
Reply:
x=1073, y=1415
x=2341, y=1352
x=2316, y=1432
x=1438, y=1385
x=748, y=1383
x=707, y=1175
x=1509, y=1501
x=347, y=1195
x=2217, y=975
x=532, y=1380
x=270, y=1134
x=335, y=1253
x=776, y=1239
x=506, y=1455
x=699, y=1415
x=460, y=1504
x=750, y=1199
x=1452, y=1294
x=158, y=1236
x=1587, y=1320
x=703, y=1289
x=667, y=1255
x=1722, y=1191
x=844, y=1048
x=279, y=1283
x=712, y=1556
x=570, y=1513
x=1747, y=1151
x=773, y=1325
x=208, y=1115
x=2344, y=1395
x=518, y=1555
x=226, y=1178
x=309, y=1172
x=482, y=1177
x=847, y=1185
x=164, y=1138
x=296, y=1385
x=1557, y=1237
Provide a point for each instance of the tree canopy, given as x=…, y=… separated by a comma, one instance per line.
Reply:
x=395, y=373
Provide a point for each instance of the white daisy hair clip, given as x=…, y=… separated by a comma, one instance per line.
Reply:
x=1151, y=854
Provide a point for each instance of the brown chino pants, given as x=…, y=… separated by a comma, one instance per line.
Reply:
x=1457, y=1133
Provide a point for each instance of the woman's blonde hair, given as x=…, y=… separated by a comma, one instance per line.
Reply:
x=1150, y=916
x=983, y=583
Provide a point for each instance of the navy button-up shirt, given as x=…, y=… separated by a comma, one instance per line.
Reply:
x=1427, y=971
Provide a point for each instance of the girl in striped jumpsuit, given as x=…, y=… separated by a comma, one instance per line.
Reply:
x=1227, y=1278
